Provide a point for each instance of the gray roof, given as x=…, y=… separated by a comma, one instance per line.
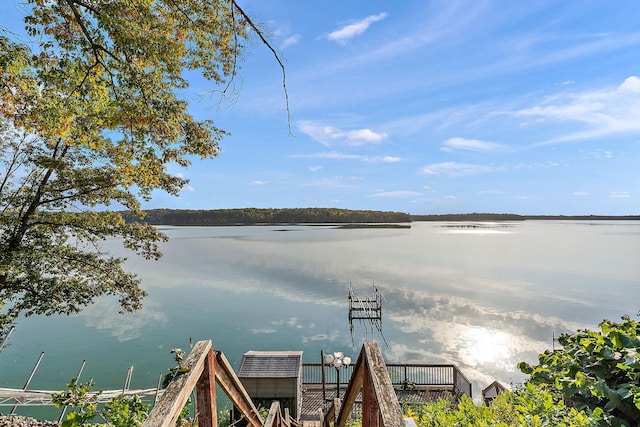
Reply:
x=270, y=364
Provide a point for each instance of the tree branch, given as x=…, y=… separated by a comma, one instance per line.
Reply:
x=276, y=56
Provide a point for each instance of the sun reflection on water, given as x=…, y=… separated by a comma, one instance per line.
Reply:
x=480, y=346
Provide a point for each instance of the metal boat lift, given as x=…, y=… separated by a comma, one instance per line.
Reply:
x=367, y=310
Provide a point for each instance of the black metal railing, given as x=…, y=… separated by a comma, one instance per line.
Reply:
x=402, y=375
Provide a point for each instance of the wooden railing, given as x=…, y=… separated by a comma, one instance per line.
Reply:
x=204, y=368
x=277, y=418
x=380, y=406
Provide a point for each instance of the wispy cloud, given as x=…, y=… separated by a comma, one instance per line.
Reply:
x=455, y=169
x=400, y=194
x=620, y=195
x=290, y=41
x=327, y=135
x=334, y=155
x=258, y=182
x=601, y=113
x=472, y=145
x=355, y=28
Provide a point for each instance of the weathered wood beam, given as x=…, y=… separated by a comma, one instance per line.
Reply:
x=206, y=393
x=274, y=418
x=354, y=387
x=230, y=383
x=380, y=404
x=385, y=396
x=167, y=409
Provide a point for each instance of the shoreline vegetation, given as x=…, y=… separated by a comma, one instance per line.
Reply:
x=348, y=218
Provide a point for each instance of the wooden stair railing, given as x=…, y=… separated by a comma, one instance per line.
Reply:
x=380, y=406
x=205, y=368
x=277, y=419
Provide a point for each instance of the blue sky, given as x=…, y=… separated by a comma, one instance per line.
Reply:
x=429, y=107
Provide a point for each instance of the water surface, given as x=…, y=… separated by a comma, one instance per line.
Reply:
x=482, y=296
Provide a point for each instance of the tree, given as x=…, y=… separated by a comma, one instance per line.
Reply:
x=90, y=119
x=597, y=370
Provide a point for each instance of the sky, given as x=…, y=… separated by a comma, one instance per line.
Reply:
x=427, y=107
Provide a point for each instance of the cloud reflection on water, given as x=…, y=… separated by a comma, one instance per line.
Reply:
x=104, y=315
x=484, y=301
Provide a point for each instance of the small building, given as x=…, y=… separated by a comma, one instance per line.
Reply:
x=273, y=375
x=492, y=391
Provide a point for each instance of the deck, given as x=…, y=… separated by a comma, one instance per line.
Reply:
x=413, y=383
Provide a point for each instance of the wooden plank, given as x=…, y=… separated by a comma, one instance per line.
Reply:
x=370, y=409
x=230, y=383
x=274, y=415
x=206, y=393
x=166, y=411
x=382, y=399
x=385, y=395
x=354, y=387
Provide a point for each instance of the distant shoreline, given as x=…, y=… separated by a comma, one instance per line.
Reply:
x=512, y=217
x=346, y=217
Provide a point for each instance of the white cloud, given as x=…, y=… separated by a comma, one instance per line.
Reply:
x=315, y=168
x=598, y=113
x=396, y=194
x=471, y=145
x=290, y=41
x=620, y=195
x=334, y=155
x=329, y=134
x=580, y=193
x=391, y=159
x=257, y=182
x=354, y=29
x=454, y=169
x=189, y=189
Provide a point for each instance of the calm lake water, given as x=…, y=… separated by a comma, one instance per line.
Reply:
x=481, y=296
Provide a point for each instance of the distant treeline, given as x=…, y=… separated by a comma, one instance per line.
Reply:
x=469, y=217
x=249, y=216
x=512, y=217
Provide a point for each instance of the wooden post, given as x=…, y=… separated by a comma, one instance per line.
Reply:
x=455, y=379
x=206, y=393
x=370, y=408
x=167, y=409
x=337, y=404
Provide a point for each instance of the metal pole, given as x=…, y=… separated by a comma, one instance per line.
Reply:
x=4, y=340
x=26, y=385
x=64, y=410
x=324, y=390
x=127, y=380
x=338, y=383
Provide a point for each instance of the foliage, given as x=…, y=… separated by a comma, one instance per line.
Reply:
x=77, y=396
x=270, y=216
x=124, y=411
x=178, y=356
x=121, y=411
x=599, y=370
x=529, y=406
x=90, y=117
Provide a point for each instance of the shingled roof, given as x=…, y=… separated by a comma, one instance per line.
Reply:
x=270, y=364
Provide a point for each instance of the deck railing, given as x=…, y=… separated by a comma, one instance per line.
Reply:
x=401, y=375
